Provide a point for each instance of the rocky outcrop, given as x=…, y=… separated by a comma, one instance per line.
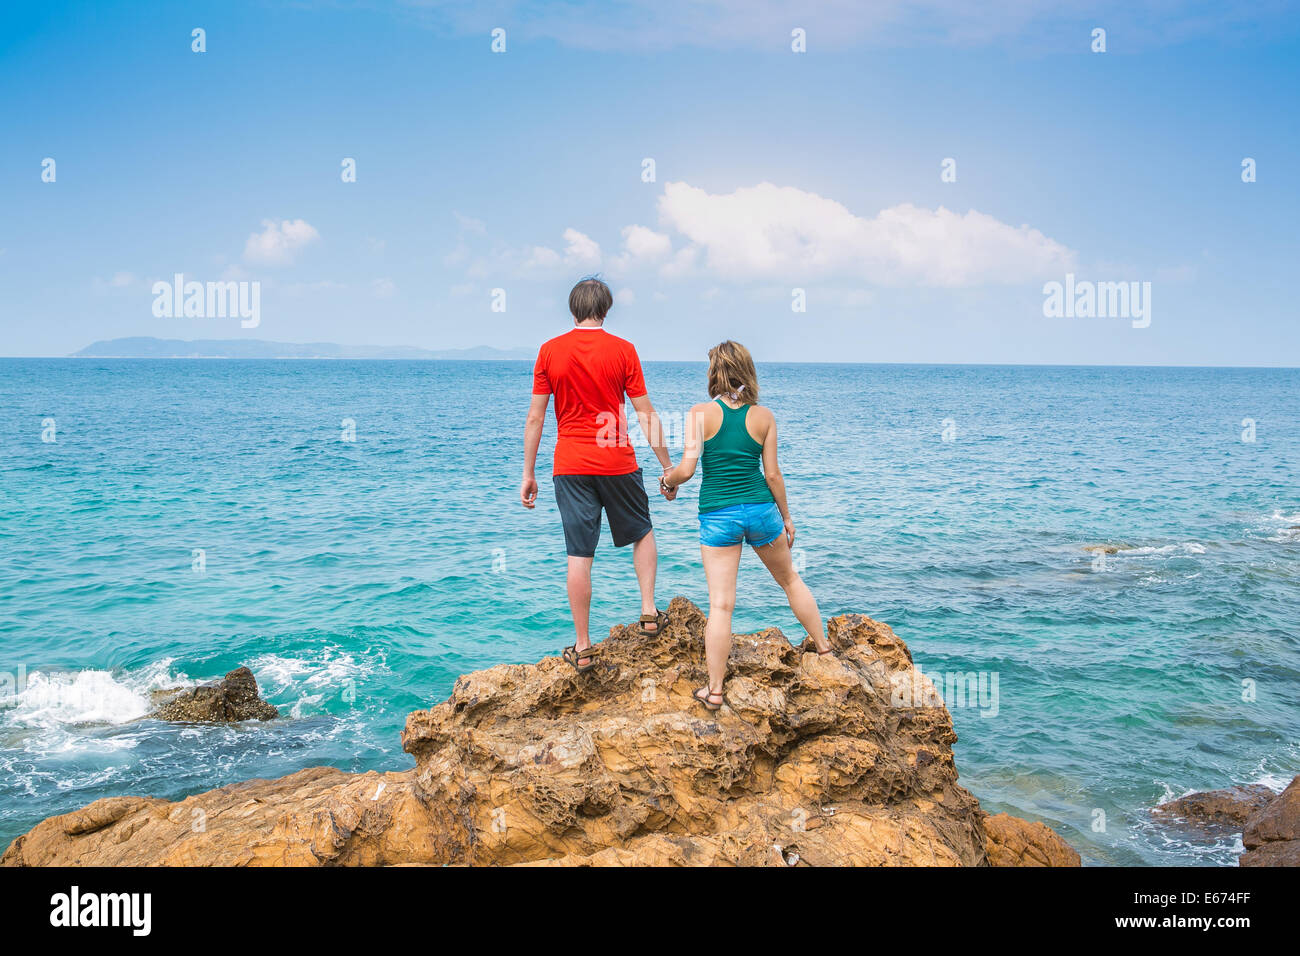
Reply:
x=314, y=817
x=1272, y=834
x=1011, y=841
x=1228, y=808
x=230, y=699
x=843, y=760
x=1269, y=822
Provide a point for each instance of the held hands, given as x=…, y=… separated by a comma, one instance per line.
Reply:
x=528, y=493
x=668, y=491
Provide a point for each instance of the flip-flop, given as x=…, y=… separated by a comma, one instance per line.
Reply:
x=572, y=655
x=809, y=646
x=705, y=702
x=658, y=618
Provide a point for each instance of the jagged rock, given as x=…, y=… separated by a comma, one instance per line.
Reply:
x=315, y=817
x=1016, y=842
x=536, y=762
x=1227, y=808
x=812, y=761
x=232, y=698
x=1272, y=834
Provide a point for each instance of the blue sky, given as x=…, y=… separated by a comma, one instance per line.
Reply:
x=774, y=170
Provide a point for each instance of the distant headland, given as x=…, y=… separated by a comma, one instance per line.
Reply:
x=148, y=347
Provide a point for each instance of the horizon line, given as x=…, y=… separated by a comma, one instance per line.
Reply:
x=321, y=358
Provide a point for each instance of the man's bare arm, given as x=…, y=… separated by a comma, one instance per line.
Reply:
x=532, y=440
x=652, y=429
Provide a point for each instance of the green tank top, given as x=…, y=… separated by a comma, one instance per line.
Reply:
x=730, y=460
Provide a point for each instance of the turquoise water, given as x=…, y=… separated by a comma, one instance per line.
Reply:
x=358, y=579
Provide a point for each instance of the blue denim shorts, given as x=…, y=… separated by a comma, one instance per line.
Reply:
x=757, y=524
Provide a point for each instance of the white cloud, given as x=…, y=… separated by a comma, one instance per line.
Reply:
x=470, y=224
x=779, y=233
x=681, y=264
x=644, y=243
x=641, y=246
x=768, y=231
x=543, y=257
x=279, y=242
x=580, y=252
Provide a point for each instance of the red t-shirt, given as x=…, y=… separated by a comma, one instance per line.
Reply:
x=589, y=371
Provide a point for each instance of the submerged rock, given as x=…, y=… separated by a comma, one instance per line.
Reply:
x=230, y=699
x=811, y=761
x=1227, y=808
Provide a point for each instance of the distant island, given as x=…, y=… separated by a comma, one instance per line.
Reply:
x=148, y=347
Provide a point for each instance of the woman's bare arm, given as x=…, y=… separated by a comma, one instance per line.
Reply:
x=693, y=441
x=775, y=480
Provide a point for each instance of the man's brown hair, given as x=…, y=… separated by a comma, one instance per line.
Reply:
x=590, y=299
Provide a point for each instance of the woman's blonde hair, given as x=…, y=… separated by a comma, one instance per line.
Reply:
x=732, y=374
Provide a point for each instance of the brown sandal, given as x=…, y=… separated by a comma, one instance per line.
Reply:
x=572, y=655
x=659, y=619
x=708, y=704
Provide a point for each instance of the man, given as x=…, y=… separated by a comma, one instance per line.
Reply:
x=589, y=372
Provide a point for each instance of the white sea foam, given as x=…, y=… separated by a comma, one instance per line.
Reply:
x=1187, y=547
x=324, y=676
x=71, y=698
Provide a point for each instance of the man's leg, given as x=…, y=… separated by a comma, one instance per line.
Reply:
x=580, y=602
x=579, y=506
x=628, y=510
x=645, y=558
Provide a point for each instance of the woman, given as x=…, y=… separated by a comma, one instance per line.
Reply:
x=739, y=502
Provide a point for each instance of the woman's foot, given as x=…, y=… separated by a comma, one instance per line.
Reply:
x=710, y=699
x=810, y=646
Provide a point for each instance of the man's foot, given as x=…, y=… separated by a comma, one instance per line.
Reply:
x=707, y=698
x=580, y=659
x=652, y=624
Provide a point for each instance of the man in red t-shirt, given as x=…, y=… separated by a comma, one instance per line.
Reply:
x=589, y=372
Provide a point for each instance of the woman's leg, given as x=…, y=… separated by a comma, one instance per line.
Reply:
x=720, y=567
x=776, y=556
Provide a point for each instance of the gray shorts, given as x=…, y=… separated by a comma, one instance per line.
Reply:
x=581, y=498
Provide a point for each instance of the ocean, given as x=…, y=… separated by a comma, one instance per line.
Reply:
x=351, y=531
